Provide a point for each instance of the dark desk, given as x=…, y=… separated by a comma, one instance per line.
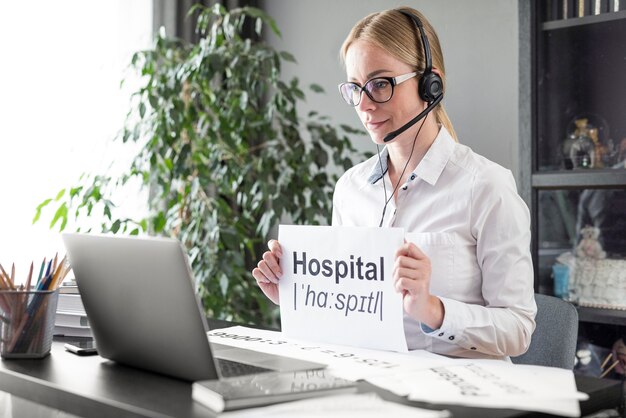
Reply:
x=94, y=387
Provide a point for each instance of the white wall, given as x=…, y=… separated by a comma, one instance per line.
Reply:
x=480, y=45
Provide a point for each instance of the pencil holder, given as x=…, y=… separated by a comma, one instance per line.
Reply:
x=27, y=322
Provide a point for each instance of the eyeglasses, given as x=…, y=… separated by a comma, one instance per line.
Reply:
x=379, y=89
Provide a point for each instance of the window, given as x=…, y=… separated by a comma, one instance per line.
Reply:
x=61, y=107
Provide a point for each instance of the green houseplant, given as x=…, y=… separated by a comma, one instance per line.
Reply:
x=224, y=154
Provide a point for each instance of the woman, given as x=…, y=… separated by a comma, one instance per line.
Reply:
x=472, y=295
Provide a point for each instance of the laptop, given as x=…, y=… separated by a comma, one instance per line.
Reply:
x=139, y=296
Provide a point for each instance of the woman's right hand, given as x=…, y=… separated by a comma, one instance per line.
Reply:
x=268, y=272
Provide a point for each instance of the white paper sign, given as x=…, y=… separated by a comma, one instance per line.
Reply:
x=337, y=286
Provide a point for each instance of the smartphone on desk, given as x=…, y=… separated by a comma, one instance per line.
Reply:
x=82, y=348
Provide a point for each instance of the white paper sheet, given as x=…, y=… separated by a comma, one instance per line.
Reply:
x=490, y=384
x=347, y=362
x=337, y=281
x=366, y=405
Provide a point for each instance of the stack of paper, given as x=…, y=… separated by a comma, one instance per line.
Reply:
x=71, y=319
x=364, y=405
x=267, y=389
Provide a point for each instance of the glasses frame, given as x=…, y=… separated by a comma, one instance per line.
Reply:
x=394, y=81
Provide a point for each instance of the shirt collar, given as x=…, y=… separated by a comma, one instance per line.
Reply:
x=431, y=166
x=436, y=158
x=378, y=172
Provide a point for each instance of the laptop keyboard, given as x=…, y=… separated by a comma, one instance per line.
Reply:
x=230, y=368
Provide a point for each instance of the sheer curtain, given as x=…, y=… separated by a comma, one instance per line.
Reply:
x=61, y=105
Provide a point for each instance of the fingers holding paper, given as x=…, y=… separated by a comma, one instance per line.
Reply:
x=411, y=274
x=268, y=272
x=411, y=270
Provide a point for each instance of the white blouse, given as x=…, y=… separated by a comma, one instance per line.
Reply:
x=464, y=213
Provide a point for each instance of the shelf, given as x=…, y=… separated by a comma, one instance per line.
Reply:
x=601, y=316
x=579, y=179
x=585, y=20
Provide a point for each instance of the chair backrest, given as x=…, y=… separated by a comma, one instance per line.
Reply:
x=554, y=341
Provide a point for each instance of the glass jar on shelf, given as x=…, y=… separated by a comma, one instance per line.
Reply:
x=587, y=144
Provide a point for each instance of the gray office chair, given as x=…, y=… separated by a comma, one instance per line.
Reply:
x=554, y=340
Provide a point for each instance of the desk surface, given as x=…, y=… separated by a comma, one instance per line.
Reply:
x=95, y=387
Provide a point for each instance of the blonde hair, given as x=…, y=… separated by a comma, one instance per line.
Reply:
x=395, y=33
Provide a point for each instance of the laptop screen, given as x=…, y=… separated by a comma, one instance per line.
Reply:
x=139, y=296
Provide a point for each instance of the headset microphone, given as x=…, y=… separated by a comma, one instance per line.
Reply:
x=392, y=135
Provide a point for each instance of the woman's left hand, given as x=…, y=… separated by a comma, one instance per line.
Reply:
x=411, y=276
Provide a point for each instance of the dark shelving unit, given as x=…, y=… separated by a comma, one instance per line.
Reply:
x=578, y=71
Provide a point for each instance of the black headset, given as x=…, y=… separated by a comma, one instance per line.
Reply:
x=430, y=90
x=430, y=84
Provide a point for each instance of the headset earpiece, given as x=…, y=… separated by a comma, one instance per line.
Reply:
x=430, y=87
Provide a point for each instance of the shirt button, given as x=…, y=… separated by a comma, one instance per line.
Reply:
x=473, y=348
x=413, y=176
x=441, y=334
x=451, y=337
